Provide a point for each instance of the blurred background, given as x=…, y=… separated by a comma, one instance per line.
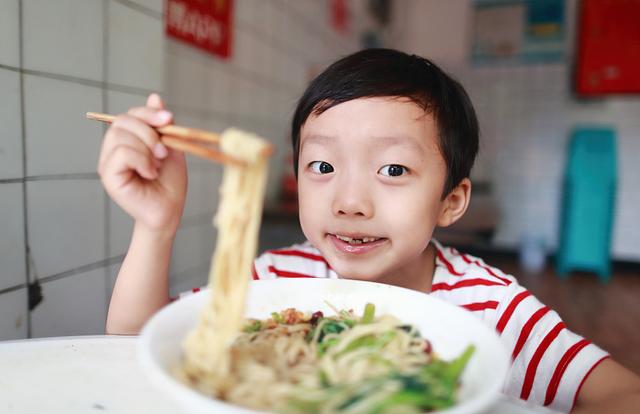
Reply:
x=554, y=84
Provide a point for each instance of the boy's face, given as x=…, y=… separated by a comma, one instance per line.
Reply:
x=370, y=182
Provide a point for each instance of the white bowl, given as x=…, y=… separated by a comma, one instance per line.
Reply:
x=449, y=328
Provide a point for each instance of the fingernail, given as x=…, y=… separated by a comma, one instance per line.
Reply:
x=164, y=116
x=160, y=151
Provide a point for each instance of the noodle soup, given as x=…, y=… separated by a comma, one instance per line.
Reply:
x=450, y=331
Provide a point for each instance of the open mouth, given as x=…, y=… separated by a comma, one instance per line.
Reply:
x=354, y=241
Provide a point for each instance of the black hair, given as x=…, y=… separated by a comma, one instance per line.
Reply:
x=391, y=73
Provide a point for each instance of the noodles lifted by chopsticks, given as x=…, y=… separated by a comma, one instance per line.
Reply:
x=242, y=190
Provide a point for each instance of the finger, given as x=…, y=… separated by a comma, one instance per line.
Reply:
x=152, y=116
x=143, y=131
x=122, y=162
x=155, y=101
x=117, y=136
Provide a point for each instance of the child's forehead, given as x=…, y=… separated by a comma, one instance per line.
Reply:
x=390, y=120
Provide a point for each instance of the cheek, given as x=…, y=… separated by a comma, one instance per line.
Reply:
x=411, y=218
x=310, y=208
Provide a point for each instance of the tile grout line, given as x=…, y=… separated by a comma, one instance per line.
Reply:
x=142, y=9
x=70, y=272
x=52, y=177
x=82, y=81
x=25, y=217
x=82, y=269
x=143, y=92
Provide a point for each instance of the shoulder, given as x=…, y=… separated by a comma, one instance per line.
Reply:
x=549, y=361
x=298, y=260
x=469, y=282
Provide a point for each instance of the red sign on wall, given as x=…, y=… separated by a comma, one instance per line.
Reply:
x=609, y=47
x=206, y=24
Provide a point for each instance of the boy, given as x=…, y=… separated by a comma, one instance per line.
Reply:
x=383, y=144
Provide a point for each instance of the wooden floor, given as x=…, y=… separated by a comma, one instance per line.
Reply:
x=606, y=314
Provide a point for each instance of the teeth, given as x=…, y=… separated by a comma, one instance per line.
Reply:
x=356, y=241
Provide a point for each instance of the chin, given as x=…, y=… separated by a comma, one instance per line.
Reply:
x=348, y=272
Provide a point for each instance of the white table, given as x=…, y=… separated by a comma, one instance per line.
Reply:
x=97, y=374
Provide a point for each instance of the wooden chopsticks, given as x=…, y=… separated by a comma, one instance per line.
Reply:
x=192, y=140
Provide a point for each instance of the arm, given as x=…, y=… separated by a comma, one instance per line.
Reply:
x=149, y=182
x=609, y=388
x=142, y=286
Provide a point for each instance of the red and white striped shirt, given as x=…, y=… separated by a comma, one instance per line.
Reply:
x=549, y=362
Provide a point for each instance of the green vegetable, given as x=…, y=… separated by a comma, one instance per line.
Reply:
x=254, y=326
x=369, y=313
x=433, y=387
x=374, y=342
x=323, y=346
x=277, y=317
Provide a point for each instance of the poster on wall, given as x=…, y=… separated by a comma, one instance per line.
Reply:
x=205, y=24
x=518, y=31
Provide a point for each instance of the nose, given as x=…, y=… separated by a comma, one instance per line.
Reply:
x=352, y=198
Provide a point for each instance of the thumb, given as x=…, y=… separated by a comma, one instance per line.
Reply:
x=154, y=101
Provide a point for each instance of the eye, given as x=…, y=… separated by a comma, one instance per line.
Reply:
x=393, y=170
x=321, y=167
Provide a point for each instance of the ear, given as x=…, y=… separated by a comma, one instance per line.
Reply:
x=455, y=204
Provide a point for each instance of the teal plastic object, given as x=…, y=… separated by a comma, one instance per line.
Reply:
x=588, y=203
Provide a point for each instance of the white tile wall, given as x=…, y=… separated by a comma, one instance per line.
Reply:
x=66, y=224
x=59, y=138
x=67, y=217
x=526, y=116
x=193, y=246
x=192, y=66
x=13, y=315
x=74, y=305
x=119, y=102
x=12, y=260
x=11, y=135
x=155, y=5
x=64, y=37
x=9, y=33
x=136, y=55
x=194, y=277
x=202, y=195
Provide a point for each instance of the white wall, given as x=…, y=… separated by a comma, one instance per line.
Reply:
x=59, y=59
x=526, y=113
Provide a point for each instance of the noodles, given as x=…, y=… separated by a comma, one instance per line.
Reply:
x=300, y=363
x=238, y=221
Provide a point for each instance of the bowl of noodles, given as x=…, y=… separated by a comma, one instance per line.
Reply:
x=332, y=346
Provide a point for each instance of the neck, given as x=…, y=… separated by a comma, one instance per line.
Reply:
x=417, y=275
